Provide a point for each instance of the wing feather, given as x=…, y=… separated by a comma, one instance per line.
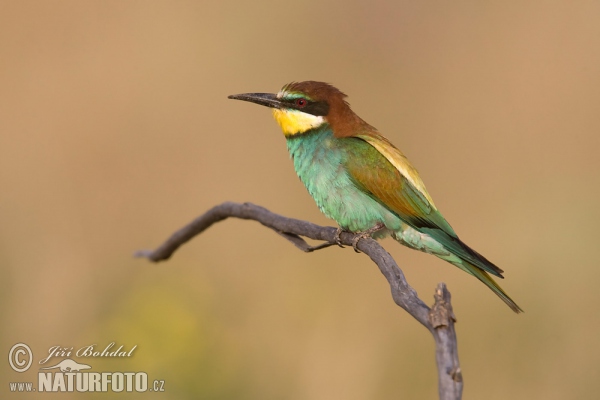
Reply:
x=382, y=170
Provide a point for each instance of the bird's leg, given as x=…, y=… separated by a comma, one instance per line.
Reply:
x=337, y=238
x=366, y=234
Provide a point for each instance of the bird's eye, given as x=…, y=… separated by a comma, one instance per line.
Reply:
x=301, y=102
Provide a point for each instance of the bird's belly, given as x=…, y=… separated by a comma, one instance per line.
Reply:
x=351, y=208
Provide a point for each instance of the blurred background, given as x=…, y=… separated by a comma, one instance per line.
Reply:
x=116, y=130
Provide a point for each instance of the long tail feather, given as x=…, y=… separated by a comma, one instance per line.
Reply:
x=479, y=268
x=489, y=282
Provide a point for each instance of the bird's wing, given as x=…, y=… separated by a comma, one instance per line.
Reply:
x=398, y=160
x=382, y=170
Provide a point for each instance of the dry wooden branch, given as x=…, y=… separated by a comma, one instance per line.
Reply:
x=439, y=320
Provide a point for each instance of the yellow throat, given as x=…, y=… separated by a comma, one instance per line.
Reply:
x=293, y=122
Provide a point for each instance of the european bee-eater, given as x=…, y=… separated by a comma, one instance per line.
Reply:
x=361, y=180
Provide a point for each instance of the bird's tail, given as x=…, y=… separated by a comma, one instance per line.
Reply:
x=489, y=282
x=459, y=254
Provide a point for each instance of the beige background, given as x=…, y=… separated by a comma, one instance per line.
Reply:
x=115, y=130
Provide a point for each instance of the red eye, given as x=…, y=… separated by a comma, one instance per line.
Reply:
x=301, y=102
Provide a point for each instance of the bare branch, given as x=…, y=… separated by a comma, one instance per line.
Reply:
x=450, y=382
x=439, y=320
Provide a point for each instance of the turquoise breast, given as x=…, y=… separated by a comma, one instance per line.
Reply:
x=319, y=160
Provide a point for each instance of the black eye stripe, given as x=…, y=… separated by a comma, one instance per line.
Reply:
x=317, y=108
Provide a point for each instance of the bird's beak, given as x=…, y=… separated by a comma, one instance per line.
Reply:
x=264, y=99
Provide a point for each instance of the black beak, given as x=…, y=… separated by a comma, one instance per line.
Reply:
x=264, y=99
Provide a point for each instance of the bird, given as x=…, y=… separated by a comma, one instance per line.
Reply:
x=362, y=181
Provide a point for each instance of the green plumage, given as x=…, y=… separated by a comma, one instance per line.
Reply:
x=321, y=161
x=334, y=169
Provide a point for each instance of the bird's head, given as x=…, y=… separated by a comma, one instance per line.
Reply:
x=300, y=107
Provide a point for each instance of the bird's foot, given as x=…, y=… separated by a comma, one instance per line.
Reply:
x=337, y=238
x=365, y=234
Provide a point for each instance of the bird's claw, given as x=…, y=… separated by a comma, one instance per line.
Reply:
x=357, y=238
x=366, y=234
x=337, y=238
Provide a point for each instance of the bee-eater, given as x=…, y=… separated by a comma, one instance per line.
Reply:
x=361, y=180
